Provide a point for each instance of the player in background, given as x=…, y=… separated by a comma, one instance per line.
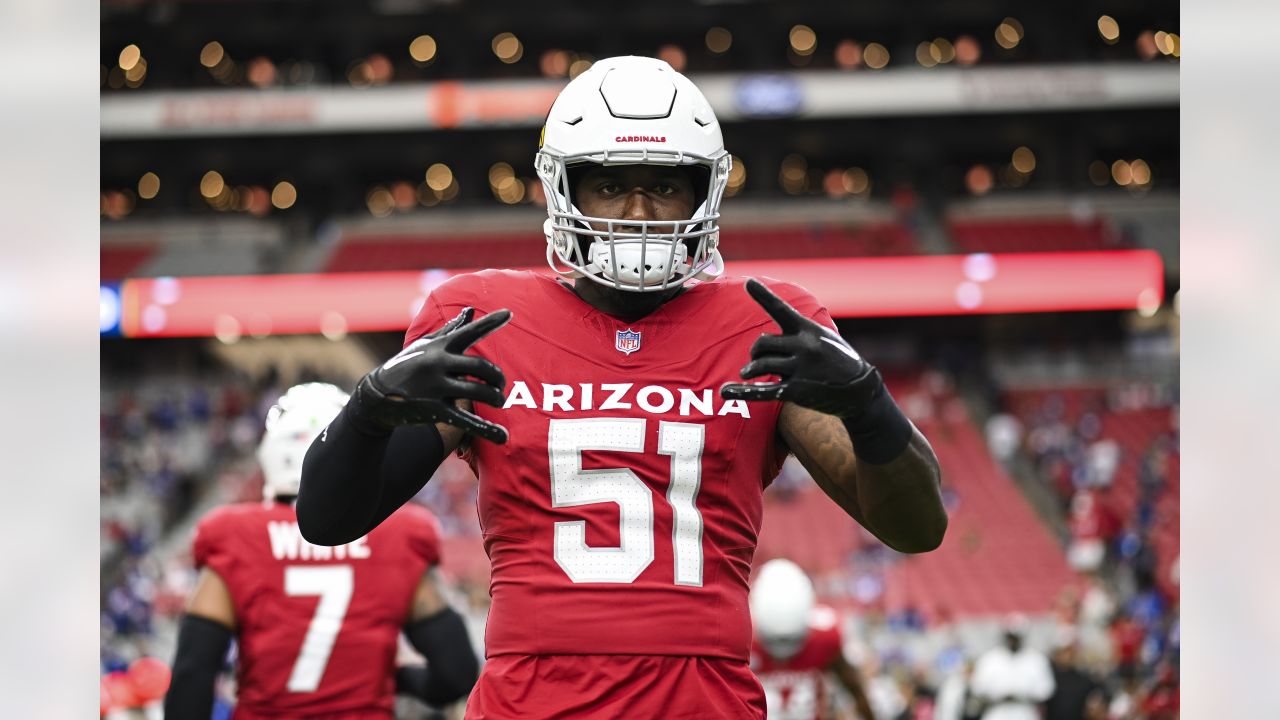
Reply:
x=317, y=626
x=621, y=460
x=797, y=646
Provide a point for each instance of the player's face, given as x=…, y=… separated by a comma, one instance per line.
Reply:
x=635, y=192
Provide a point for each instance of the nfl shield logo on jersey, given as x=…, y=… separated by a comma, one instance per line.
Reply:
x=628, y=341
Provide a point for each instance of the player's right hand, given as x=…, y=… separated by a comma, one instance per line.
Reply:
x=419, y=385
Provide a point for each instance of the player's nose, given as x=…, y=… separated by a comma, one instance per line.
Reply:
x=638, y=206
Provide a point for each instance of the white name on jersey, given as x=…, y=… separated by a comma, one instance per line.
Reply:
x=654, y=399
x=287, y=544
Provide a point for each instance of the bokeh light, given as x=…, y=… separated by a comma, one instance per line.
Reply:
x=148, y=186
x=1024, y=161
x=212, y=184
x=856, y=181
x=423, y=49
x=439, y=176
x=979, y=180
x=284, y=195
x=672, y=55
x=507, y=47
x=803, y=40
x=968, y=50
x=719, y=40
x=129, y=57
x=737, y=177
x=212, y=54
x=379, y=201
x=1109, y=29
x=554, y=63
x=848, y=54
x=1009, y=33
x=1121, y=172
x=793, y=174
x=875, y=56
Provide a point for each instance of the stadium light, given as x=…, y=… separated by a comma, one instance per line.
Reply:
x=672, y=55
x=284, y=195
x=423, y=49
x=129, y=57
x=927, y=54
x=803, y=39
x=719, y=40
x=1109, y=29
x=848, y=54
x=148, y=186
x=554, y=63
x=979, y=180
x=212, y=54
x=212, y=184
x=439, y=177
x=875, y=56
x=1009, y=33
x=1024, y=161
x=968, y=51
x=507, y=47
x=737, y=177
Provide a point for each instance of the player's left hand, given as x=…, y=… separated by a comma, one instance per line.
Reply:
x=816, y=367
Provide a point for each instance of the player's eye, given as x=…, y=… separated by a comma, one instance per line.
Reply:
x=609, y=188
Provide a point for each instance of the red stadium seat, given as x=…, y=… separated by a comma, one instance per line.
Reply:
x=1032, y=235
x=117, y=262
x=521, y=249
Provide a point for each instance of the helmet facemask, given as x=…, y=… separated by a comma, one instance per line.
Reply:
x=637, y=256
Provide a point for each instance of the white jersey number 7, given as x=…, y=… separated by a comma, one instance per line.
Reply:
x=333, y=583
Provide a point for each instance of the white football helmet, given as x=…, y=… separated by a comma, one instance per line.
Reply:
x=781, y=601
x=626, y=111
x=292, y=423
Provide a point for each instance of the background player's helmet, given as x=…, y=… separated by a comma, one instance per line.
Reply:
x=624, y=111
x=292, y=423
x=781, y=601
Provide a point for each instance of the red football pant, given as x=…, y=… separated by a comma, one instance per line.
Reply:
x=615, y=686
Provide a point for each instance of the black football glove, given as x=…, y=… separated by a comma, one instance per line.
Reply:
x=818, y=369
x=419, y=384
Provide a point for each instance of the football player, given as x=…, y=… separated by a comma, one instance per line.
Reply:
x=797, y=645
x=317, y=626
x=621, y=461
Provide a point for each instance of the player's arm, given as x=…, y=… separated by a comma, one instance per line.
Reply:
x=898, y=501
x=403, y=419
x=845, y=428
x=204, y=635
x=438, y=632
x=851, y=678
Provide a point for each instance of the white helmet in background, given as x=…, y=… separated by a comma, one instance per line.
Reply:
x=292, y=423
x=781, y=601
x=627, y=111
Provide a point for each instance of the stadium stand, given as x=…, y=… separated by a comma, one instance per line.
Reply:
x=380, y=252
x=1032, y=235
x=997, y=557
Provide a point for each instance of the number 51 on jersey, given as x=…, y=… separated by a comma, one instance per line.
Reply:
x=572, y=486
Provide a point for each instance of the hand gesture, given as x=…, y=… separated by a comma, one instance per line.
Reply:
x=818, y=369
x=419, y=385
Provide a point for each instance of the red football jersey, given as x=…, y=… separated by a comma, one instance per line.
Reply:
x=622, y=514
x=796, y=688
x=318, y=626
